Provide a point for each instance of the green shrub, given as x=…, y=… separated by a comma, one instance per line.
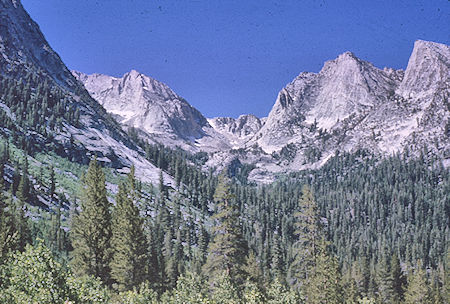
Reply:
x=33, y=276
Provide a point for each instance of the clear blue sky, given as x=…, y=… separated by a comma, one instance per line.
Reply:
x=232, y=57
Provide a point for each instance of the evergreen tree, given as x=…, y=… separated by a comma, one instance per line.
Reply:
x=15, y=179
x=91, y=228
x=253, y=270
x=314, y=269
x=56, y=235
x=164, y=242
x=52, y=186
x=307, y=229
x=15, y=231
x=228, y=249
x=129, y=259
x=277, y=263
x=399, y=280
x=436, y=296
x=178, y=257
x=20, y=223
x=23, y=189
x=385, y=281
x=417, y=291
x=8, y=236
x=323, y=285
x=203, y=240
x=151, y=235
x=351, y=292
x=163, y=193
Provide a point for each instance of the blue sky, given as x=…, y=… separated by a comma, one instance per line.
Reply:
x=232, y=57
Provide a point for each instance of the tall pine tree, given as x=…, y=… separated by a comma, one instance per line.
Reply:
x=91, y=228
x=8, y=236
x=314, y=269
x=399, y=280
x=307, y=229
x=418, y=291
x=228, y=250
x=323, y=285
x=385, y=281
x=129, y=259
x=24, y=188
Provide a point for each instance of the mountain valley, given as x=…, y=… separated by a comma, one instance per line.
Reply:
x=118, y=190
x=349, y=105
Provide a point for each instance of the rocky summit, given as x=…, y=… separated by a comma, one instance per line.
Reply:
x=349, y=105
x=139, y=101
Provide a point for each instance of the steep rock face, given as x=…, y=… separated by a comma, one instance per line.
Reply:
x=25, y=54
x=237, y=131
x=428, y=70
x=24, y=49
x=350, y=105
x=426, y=85
x=145, y=103
x=345, y=86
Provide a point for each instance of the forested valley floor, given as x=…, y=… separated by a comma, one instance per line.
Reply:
x=359, y=230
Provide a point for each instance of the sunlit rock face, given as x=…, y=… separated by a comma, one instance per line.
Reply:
x=349, y=105
x=25, y=53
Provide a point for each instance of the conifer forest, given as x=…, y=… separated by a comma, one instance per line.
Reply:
x=358, y=230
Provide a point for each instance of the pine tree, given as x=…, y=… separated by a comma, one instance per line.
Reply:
x=385, y=281
x=314, y=269
x=323, y=285
x=253, y=270
x=162, y=187
x=129, y=258
x=91, y=228
x=307, y=229
x=417, y=291
x=399, y=280
x=228, y=249
x=172, y=272
x=164, y=240
x=20, y=223
x=8, y=236
x=178, y=257
x=23, y=189
x=277, y=263
x=151, y=235
x=52, y=186
x=56, y=233
x=436, y=296
x=15, y=179
x=203, y=240
x=351, y=292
